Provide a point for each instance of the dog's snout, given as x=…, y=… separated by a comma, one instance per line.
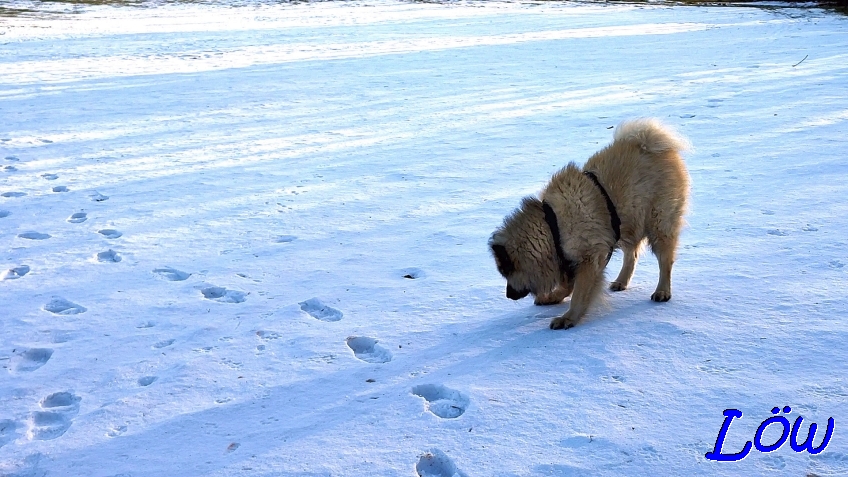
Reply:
x=514, y=294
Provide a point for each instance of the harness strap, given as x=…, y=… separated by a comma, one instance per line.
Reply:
x=615, y=220
x=566, y=267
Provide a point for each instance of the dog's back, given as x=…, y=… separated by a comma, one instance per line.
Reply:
x=645, y=176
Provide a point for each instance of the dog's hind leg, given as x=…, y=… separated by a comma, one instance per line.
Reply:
x=631, y=256
x=588, y=284
x=664, y=248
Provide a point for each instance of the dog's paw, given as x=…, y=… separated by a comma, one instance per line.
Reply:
x=562, y=323
x=661, y=296
x=617, y=286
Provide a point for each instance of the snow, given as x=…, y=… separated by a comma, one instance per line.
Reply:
x=266, y=249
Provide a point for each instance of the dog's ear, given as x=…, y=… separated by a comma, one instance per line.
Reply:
x=505, y=265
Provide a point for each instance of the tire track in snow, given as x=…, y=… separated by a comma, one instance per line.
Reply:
x=255, y=147
x=64, y=70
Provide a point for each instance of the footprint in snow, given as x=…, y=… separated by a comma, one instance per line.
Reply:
x=579, y=441
x=12, y=158
x=110, y=256
x=8, y=431
x=435, y=463
x=412, y=273
x=650, y=453
x=171, y=274
x=98, y=197
x=318, y=310
x=116, y=431
x=56, y=416
x=110, y=233
x=30, y=360
x=60, y=189
x=774, y=462
x=368, y=350
x=50, y=177
x=285, y=239
x=223, y=295
x=147, y=380
x=778, y=232
x=248, y=277
x=78, y=218
x=34, y=236
x=4, y=213
x=442, y=401
x=9, y=168
x=13, y=194
x=830, y=463
x=268, y=335
x=17, y=272
x=60, y=306
x=164, y=344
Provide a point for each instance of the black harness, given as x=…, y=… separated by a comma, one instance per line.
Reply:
x=567, y=266
x=614, y=218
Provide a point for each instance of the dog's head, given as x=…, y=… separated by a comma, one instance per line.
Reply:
x=524, y=252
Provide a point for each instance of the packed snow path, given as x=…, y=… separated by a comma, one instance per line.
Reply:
x=252, y=240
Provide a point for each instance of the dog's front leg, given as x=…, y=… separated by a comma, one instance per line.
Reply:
x=588, y=283
x=556, y=296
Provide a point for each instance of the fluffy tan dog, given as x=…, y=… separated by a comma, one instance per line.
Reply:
x=632, y=190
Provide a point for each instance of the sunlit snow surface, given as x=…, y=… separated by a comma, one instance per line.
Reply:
x=251, y=241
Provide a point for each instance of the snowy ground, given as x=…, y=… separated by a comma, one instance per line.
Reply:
x=252, y=241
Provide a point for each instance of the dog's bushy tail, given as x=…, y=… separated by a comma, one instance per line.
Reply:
x=651, y=135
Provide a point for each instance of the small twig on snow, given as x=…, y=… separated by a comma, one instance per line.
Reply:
x=798, y=63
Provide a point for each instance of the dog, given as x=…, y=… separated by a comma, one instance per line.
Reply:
x=558, y=244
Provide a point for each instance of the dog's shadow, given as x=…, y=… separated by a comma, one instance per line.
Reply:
x=615, y=307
